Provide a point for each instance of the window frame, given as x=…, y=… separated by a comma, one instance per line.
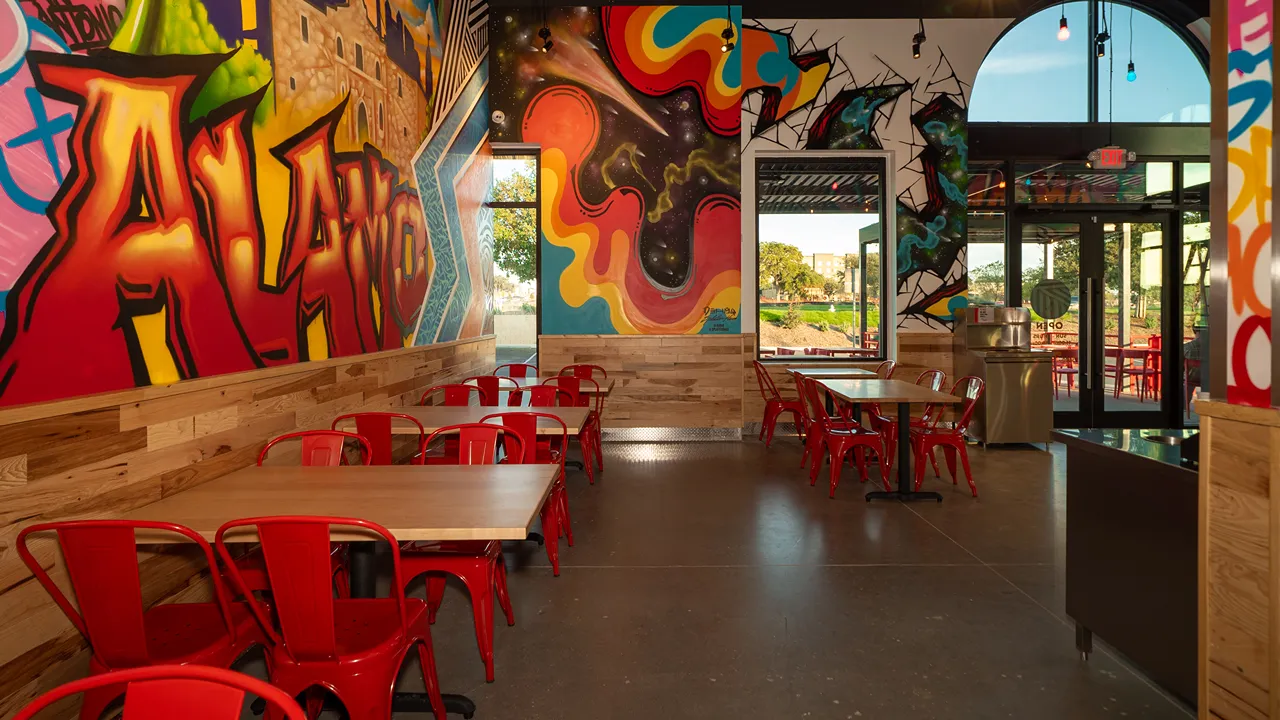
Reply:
x=888, y=241
x=521, y=150
x=1093, y=26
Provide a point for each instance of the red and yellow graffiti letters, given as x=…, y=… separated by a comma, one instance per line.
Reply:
x=159, y=268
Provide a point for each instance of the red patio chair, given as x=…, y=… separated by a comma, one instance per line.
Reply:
x=549, y=396
x=457, y=395
x=821, y=352
x=589, y=436
x=350, y=647
x=594, y=373
x=555, y=512
x=584, y=370
x=165, y=692
x=375, y=427
x=101, y=559
x=493, y=387
x=1064, y=366
x=836, y=438
x=774, y=405
x=925, y=439
x=518, y=370
x=478, y=564
x=786, y=351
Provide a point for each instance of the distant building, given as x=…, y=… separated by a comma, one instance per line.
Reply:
x=829, y=266
x=327, y=49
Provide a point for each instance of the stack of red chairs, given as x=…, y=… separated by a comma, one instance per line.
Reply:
x=775, y=405
x=589, y=436
x=596, y=374
x=927, y=436
x=836, y=437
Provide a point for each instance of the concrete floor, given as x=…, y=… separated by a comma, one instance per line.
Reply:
x=710, y=581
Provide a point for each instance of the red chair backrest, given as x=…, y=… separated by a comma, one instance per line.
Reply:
x=296, y=550
x=165, y=692
x=478, y=443
x=492, y=386
x=549, y=396
x=584, y=371
x=768, y=390
x=322, y=448
x=933, y=380
x=885, y=369
x=803, y=392
x=786, y=351
x=818, y=351
x=1157, y=342
x=456, y=394
x=575, y=386
x=102, y=563
x=518, y=370
x=813, y=396
x=525, y=426
x=970, y=388
x=375, y=427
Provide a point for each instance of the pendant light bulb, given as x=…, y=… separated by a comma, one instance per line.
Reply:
x=1132, y=75
x=1064, y=32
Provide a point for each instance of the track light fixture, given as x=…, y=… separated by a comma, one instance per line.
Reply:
x=917, y=41
x=1102, y=39
x=727, y=34
x=545, y=35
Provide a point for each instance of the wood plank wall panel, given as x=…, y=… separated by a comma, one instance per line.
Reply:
x=103, y=455
x=692, y=381
x=1239, y=551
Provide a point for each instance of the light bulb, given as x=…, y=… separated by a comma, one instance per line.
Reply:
x=1132, y=75
x=1063, y=31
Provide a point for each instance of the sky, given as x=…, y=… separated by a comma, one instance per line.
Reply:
x=816, y=233
x=1031, y=76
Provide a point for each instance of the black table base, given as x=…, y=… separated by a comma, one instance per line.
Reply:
x=364, y=585
x=905, y=491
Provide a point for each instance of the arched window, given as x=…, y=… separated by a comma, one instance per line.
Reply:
x=1032, y=74
x=340, y=47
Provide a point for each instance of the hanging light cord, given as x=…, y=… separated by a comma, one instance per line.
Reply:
x=1111, y=77
x=1130, y=34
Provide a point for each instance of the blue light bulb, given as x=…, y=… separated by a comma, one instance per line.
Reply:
x=1132, y=75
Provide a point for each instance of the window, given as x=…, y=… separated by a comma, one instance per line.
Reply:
x=1032, y=76
x=399, y=86
x=820, y=276
x=1141, y=182
x=514, y=202
x=340, y=54
x=406, y=131
x=379, y=115
x=986, y=258
x=306, y=29
x=377, y=69
x=359, y=56
x=293, y=84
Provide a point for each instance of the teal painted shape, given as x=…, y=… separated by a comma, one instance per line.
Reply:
x=558, y=317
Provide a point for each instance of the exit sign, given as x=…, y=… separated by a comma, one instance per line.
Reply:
x=1112, y=158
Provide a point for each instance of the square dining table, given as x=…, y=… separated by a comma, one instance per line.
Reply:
x=414, y=502
x=434, y=417
x=904, y=395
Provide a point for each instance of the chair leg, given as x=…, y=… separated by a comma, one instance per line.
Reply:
x=500, y=586
x=551, y=532
x=565, y=525
x=968, y=474
x=884, y=460
x=435, y=595
x=860, y=457
x=764, y=422
x=480, y=586
x=584, y=444
x=427, y=659
x=819, y=451
x=949, y=454
x=597, y=443
x=837, y=464
x=920, y=451
x=933, y=460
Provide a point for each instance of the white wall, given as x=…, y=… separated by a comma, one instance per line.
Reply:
x=865, y=53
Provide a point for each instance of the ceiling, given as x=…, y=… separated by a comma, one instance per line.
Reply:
x=844, y=185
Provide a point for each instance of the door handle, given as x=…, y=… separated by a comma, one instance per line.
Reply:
x=1086, y=344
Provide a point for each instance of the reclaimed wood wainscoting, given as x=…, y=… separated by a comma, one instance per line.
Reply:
x=103, y=455
x=1239, y=642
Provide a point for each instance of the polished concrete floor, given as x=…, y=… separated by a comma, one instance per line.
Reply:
x=710, y=581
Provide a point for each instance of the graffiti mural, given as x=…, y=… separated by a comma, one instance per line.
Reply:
x=248, y=201
x=873, y=98
x=1249, y=79
x=636, y=111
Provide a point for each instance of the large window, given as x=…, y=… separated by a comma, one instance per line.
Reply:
x=1037, y=73
x=514, y=202
x=820, y=274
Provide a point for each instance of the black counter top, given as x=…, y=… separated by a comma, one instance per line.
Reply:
x=1131, y=442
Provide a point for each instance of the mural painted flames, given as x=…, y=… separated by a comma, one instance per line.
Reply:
x=159, y=267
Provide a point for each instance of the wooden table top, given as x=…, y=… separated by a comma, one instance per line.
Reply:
x=434, y=417
x=414, y=502
x=886, y=391
x=832, y=373
x=605, y=387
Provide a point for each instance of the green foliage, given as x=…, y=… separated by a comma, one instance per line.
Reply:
x=780, y=265
x=792, y=319
x=1151, y=321
x=182, y=27
x=823, y=326
x=831, y=288
x=515, y=230
x=527, y=309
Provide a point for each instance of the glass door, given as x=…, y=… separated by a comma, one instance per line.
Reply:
x=1095, y=286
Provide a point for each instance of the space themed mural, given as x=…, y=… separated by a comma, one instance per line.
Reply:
x=637, y=112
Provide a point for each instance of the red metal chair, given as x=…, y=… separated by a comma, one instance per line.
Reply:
x=478, y=564
x=836, y=438
x=820, y=352
x=589, y=436
x=549, y=396
x=786, y=351
x=888, y=427
x=375, y=428
x=321, y=448
x=165, y=692
x=518, y=370
x=351, y=647
x=884, y=370
x=555, y=512
x=101, y=559
x=774, y=405
x=456, y=395
x=589, y=372
x=1064, y=366
x=951, y=440
x=493, y=387
x=1144, y=368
